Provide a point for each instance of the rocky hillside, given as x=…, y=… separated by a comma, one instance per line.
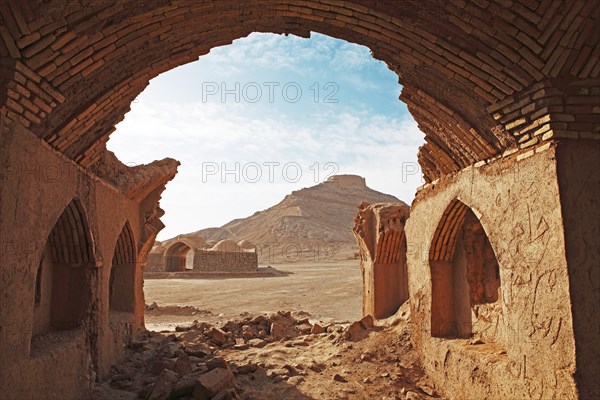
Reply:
x=320, y=215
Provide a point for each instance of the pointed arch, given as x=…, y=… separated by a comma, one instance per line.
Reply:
x=62, y=287
x=122, y=273
x=464, y=272
x=125, y=248
x=176, y=256
x=70, y=240
x=444, y=240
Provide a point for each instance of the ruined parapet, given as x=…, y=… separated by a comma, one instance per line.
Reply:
x=143, y=184
x=225, y=256
x=136, y=182
x=225, y=261
x=379, y=232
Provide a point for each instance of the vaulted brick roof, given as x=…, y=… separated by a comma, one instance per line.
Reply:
x=480, y=77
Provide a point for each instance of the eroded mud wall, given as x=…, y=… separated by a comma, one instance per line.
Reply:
x=527, y=349
x=36, y=184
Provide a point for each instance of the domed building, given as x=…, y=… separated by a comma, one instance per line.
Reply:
x=194, y=254
x=227, y=245
x=247, y=245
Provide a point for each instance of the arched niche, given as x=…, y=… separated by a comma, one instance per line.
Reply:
x=465, y=274
x=122, y=274
x=62, y=286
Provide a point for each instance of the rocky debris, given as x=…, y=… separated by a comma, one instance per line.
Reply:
x=183, y=365
x=163, y=386
x=213, y=383
x=412, y=396
x=155, y=309
x=317, y=329
x=188, y=364
x=186, y=385
x=368, y=322
x=360, y=329
x=257, y=343
x=218, y=336
x=247, y=369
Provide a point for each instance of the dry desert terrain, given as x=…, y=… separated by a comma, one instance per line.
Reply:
x=295, y=335
x=326, y=291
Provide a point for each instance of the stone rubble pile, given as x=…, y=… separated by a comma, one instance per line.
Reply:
x=184, y=364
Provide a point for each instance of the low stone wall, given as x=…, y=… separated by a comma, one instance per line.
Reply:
x=155, y=263
x=217, y=261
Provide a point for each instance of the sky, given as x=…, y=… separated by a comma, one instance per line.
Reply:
x=252, y=121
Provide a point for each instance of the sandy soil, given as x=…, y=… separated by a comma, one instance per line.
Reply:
x=341, y=361
x=361, y=363
x=327, y=292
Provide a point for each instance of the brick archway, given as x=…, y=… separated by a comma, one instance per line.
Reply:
x=122, y=274
x=63, y=284
x=175, y=256
x=479, y=81
x=484, y=80
x=465, y=274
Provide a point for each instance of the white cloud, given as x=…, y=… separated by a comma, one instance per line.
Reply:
x=362, y=134
x=201, y=134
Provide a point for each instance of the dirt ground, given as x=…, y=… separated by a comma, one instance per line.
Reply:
x=305, y=346
x=343, y=362
x=327, y=292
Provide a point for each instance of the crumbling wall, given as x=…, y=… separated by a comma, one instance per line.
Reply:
x=478, y=90
x=155, y=263
x=528, y=349
x=224, y=261
x=36, y=185
x=379, y=232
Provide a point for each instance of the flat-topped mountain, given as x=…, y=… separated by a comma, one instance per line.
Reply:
x=323, y=213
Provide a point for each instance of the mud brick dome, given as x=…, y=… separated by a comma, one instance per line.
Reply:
x=501, y=241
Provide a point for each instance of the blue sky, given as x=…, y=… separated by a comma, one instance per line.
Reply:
x=252, y=121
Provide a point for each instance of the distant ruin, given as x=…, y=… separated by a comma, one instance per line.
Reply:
x=379, y=232
x=226, y=256
x=502, y=241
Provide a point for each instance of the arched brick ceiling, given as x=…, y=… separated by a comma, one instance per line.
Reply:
x=177, y=249
x=479, y=76
x=443, y=244
x=125, y=248
x=70, y=239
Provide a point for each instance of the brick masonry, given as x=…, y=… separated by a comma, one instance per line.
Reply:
x=480, y=77
x=217, y=261
x=507, y=93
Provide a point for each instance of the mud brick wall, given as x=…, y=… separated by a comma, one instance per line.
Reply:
x=217, y=261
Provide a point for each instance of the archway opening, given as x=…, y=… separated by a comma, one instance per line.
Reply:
x=465, y=274
x=122, y=274
x=391, y=278
x=176, y=257
x=62, y=287
x=323, y=102
x=189, y=260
